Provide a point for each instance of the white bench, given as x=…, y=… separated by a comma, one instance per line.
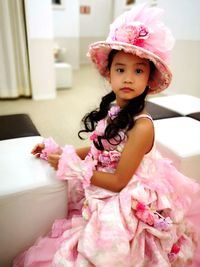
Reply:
x=179, y=140
x=183, y=104
x=30, y=197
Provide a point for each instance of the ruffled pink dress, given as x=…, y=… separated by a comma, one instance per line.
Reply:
x=152, y=222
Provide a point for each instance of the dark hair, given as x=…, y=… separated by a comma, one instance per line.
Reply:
x=124, y=119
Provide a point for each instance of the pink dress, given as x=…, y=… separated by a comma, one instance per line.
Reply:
x=152, y=222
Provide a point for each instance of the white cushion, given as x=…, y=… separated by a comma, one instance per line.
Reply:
x=179, y=140
x=183, y=104
x=63, y=72
x=31, y=197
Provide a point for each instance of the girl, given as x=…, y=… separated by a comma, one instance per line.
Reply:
x=127, y=205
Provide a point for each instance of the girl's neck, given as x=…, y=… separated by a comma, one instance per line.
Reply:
x=121, y=103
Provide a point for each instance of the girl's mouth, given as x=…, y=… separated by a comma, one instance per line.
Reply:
x=126, y=89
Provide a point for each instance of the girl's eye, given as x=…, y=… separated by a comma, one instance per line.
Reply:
x=120, y=70
x=138, y=71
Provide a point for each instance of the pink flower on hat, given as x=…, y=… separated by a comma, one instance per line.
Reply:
x=134, y=33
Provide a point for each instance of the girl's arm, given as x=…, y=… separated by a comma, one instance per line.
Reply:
x=82, y=152
x=140, y=141
x=54, y=158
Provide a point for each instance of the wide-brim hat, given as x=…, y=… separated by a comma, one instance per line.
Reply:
x=138, y=31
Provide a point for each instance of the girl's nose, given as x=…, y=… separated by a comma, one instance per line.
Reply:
x=128, y=78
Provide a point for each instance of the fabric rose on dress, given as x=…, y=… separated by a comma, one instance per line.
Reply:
x=142, y=212
x=145, y=216
x=109, y=159
x=163, y=224
x=113, y=112
x=104, y=158
x=151, y=217
x=174, y=252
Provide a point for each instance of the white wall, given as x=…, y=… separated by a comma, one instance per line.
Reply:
x=74, y=31
x=67, y=31
x=40, y=44
x=183, y=18
x=66, y=20
x=39, y=16
x=96, y=24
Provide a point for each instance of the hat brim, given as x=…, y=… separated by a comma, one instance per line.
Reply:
x=99, y=51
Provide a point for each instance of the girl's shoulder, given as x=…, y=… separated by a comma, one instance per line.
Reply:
x=143, y=114
x=143, y=128
x=144, y=121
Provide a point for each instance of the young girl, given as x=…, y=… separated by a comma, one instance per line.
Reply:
x=128, y=206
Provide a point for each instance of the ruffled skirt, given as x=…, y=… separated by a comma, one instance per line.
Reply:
x=152, y=222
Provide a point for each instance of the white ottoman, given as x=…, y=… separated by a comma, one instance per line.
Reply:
x=179, y=140
x=30, y=197
x=183, y=104
x=63, y=72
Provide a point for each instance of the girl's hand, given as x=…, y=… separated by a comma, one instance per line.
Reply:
x=53, y=160
x=37, y=150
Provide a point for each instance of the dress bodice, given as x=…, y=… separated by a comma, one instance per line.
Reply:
x=108, y=159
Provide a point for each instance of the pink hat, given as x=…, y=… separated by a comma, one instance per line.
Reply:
x=140, y=32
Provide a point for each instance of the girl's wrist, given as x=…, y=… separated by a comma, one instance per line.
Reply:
x=50, y=147
x=71, y=166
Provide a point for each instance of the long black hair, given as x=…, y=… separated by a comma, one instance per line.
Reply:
x=124, y=119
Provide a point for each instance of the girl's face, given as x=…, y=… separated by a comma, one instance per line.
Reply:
x=129, y=76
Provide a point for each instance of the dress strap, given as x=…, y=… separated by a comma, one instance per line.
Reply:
x=143, y=116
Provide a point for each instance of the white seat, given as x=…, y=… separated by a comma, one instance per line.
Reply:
x=179, y=140
x=183, y=104
x=30, y=197
x=63, y=72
